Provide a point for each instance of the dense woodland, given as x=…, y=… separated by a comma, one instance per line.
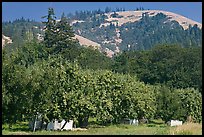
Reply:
x=140, y=35
x=151, y=31
x=61, y=79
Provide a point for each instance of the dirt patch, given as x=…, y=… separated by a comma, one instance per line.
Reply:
x=5, y=40
x=79, y=129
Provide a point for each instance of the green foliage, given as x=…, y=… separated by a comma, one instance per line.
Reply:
x=58, y=88
x=89, y=58
x=191, y=103
x=21, y=31
x=71, y=82
x=151, y=31
x=15, y=78
x=58, y=35
x=167, y=64
x=169, y=105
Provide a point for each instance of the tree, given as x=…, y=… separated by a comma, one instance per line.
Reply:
x=107, y=10
x=191, y=103
x=167, y=64
x=13, y=89
x=50, y=28
x=58, y=35
x=65, y=34
x=169, y=105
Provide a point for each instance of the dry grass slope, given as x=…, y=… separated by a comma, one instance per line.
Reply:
x=5, y=40
x=133, y=16
x=87, y=42
x=187, y=129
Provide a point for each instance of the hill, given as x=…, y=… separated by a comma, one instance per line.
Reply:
x=113, y=32
x=133, y=16
x=138, y=30
x=5, y=40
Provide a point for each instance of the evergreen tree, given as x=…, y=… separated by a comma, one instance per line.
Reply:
x=58, y=35
x=64, y=33
x=50, y=28
x=107, y=10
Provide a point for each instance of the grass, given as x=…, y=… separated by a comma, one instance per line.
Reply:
x=156, y=127
x=187, y=129
x=20, y=128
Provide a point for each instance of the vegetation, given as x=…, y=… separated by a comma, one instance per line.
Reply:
x=61, y=80
x=141, y=35
x=144, y=34
x=55, y=88
x=22, y=31
x=172, y=65
x=119, y=129
x=150, y=31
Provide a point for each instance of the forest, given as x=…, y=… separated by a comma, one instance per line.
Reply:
x=143, y=34
x=62, y=80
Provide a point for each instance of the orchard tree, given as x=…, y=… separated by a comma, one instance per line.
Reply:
x=168, y=104
x=191, y=104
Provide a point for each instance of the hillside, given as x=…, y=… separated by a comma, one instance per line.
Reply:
x=138, y=30
x=87, y=42
x=5, y=40
x=133, y=16
x=113, y=32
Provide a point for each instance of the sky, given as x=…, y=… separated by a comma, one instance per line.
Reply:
x=35, y=10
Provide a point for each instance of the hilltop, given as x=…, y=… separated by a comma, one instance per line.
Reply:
x=133, y=16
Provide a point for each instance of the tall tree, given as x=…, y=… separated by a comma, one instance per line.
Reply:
x=64, y=33
x=58, y=34
x=50, y=28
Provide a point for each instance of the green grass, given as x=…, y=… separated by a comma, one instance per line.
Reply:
x=108, y=130
x=153, y=128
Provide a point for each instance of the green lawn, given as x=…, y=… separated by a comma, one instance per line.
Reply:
x=120, y=129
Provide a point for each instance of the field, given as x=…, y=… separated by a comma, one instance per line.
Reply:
x=153, y=128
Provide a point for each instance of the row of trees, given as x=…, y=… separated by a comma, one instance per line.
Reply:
x=58, y=89
x=168, y=64
x=84, y=15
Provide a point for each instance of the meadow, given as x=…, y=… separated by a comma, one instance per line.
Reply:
x=155, y=127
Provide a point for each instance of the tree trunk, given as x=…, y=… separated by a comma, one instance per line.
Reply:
x=34, y=124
